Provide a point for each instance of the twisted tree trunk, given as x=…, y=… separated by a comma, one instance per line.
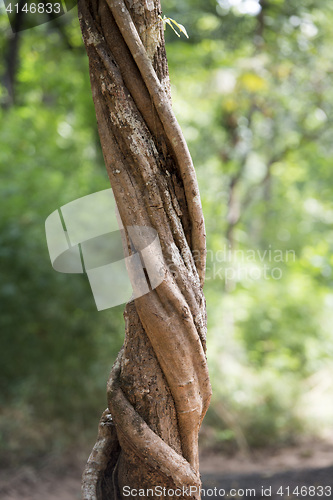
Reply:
x=158, y=390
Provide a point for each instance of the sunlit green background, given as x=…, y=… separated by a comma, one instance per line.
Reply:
x=253, y=91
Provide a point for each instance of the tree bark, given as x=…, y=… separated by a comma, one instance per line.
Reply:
x=158, y=390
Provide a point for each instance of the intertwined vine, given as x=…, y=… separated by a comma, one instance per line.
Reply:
x=154, y=184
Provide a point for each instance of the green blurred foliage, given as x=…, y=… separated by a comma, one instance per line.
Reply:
x=56, y=348
x=253, y=93
x=252, y=89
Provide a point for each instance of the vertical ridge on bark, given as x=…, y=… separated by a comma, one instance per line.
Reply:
x=159, y=389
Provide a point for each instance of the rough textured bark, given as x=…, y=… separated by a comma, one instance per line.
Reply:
x=158, y=390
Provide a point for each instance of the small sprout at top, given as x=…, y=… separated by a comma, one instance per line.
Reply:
x=167, y=20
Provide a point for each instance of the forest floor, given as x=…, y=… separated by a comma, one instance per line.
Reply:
x=309, y=464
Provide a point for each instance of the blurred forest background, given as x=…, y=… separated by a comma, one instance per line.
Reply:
x=253, y=91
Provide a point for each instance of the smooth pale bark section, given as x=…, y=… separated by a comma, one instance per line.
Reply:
x=158, y=390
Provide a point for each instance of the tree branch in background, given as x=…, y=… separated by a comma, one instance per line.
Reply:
x=11, y=57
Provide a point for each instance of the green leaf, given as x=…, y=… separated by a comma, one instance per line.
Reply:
x=169, y=21
x=181, y=28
